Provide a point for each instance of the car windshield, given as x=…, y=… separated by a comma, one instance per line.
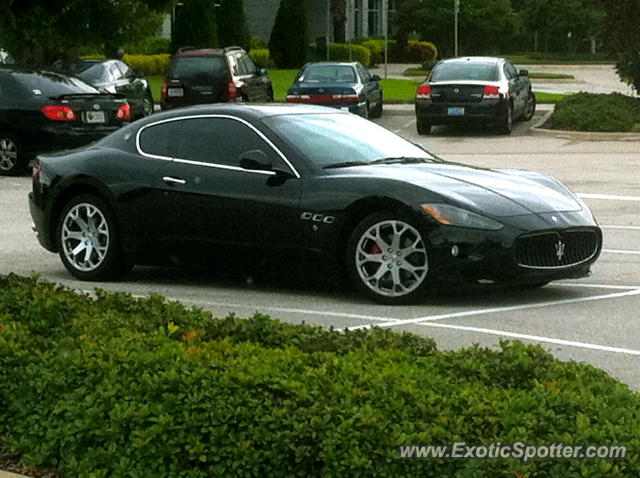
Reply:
x=199, y=69
x=330, y=140
x=52, y=84
x=328, y=74
x=464, y=70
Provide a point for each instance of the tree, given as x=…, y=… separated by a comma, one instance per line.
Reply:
x=40, y=31
x=232, y=24
x=623, y=38
x=194, y=24
x=288, y=42
x=492, y=21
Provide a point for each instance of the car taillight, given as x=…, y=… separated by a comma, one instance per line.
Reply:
x=37, y=167
x=124, y=112
x=163, y=91
x=233, y=91
x=346, y=97
x=59, y=113
x=424, y=92
x=491, y=92
x=295, y=98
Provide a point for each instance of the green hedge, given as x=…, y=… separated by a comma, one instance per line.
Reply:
x=110, y=385
x=151, y=65
x=262, y=58
x=340, y=52
x=596, y=112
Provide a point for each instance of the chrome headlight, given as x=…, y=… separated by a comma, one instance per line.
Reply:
x=455, y=216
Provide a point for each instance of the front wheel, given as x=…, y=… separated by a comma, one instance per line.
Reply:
x=387, y=258
x=12, y=160
x=147, y=105
x=89, y=241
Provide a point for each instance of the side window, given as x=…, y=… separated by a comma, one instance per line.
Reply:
x=249, y=66
x=219, y=141
x=125, y=71
x=114, y=72
x=233, y=65
x=363, y=73
x=510, y=71
x=160, y=139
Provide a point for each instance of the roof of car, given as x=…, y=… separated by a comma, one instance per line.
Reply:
x=189, y=51
x=475, y=59
x=337, y=63
x=246, y=111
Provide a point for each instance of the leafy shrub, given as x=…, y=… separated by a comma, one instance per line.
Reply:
x=376, y=47
x=151, y=65
x=340, y=52
x=262, y=58
x=419, y=51
x=596, y=112
x=288, y=41
x=110, y=385
x=149, y=46
x=258, y=43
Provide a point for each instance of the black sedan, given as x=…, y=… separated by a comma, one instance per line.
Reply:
x=114, y=76
x=305, y=179
x=347, y=86
x=44, y=111
x=474, y=89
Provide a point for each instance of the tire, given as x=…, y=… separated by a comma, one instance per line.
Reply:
x=387, y=259
x=89, y=241
x=12, y=160
x=147, y=105
x=506, y=123
x=366, y=114
x=423, y=126
x=377, y=111
x=530, y=107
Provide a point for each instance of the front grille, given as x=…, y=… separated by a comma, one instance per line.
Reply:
x=556, y=249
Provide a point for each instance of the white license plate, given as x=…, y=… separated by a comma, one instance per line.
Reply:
x=94, y=117
x=455, y=111
x=175, y=92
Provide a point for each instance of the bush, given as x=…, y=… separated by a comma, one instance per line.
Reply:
x=258, y=43
x=596, y=112
x=149, y=65
x=262, y=58
x=110, y=385
x=340, y=52
x=149, y=46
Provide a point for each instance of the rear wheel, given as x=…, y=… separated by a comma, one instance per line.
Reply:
x=506, y=123
x=89, y=240
x=387, y=258
x=530, y=107
x=12, y=160
x=377, y=111
x=423, y=126
x=147, y=105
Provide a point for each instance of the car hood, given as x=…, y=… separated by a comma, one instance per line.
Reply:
x=493, y=192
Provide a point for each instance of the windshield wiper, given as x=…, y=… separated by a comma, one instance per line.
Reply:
x=401, y=159
x=346, y=164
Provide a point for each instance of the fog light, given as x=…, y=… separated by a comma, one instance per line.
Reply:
x=455, y=250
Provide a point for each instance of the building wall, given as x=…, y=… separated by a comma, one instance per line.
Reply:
x=261, y=15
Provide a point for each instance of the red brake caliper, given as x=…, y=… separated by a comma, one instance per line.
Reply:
x=374, y=249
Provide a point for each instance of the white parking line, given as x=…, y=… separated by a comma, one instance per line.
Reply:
x=608, y=196
x=630, y=228
x=537, y=338
x=599, y=286
x=492, y=310
x=620, y=251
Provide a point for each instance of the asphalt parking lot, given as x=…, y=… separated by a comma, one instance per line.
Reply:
x=592, y=320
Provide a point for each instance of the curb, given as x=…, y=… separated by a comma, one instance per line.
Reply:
x=7, y=474
x=538, y=130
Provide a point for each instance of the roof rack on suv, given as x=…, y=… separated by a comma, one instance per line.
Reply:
x=185, y=48
x=232, y=48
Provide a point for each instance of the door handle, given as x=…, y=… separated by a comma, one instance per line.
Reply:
x=173, y=181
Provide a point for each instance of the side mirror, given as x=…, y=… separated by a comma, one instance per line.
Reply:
x=375, y=78
x=524, y=72
x=255, y=159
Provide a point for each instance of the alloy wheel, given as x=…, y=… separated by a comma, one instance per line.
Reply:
x=8, y=153
x=391, y=258
x=84, y=237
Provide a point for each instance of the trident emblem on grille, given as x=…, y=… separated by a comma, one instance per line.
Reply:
x=559, y=249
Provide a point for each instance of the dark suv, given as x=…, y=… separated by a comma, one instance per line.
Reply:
x=214, y=76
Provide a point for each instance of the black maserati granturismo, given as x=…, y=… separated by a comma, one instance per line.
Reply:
x=300, y=178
